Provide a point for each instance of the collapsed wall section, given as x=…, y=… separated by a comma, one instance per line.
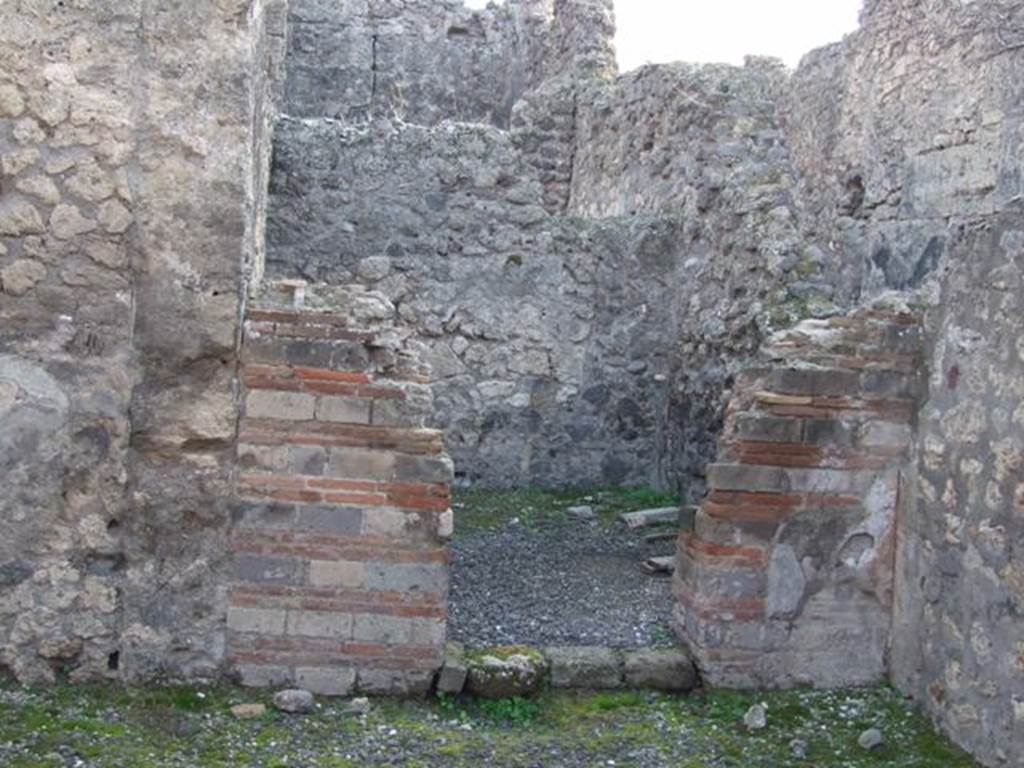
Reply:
x=340, y=574
x=421, y=61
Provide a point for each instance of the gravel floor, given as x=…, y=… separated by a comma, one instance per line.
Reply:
x=557, y=583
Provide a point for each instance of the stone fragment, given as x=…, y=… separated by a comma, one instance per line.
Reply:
x=645, y=517
x=294, y=701
x=114, y=217
x=59, y=165
x=13, y=163
x=798, y=748
x=41, y=188
x=91, y=183
x=19, y=278
x=585, y=667
x=248, y=711
x=663, y=670
x=374, y=268
x=12, y=104
x=107, y=254
x=20, y=218
x=452, y=677
x=27, y=131
x=582, y=513
x=871, y=739
x=756, y=717
x=67, y=222
x=500, y=673
x=360, y=706
x=50, y=106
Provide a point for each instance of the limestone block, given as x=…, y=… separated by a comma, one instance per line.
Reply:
x=591, y=668
x=19, y=278
x=67, y=222
x=501, y=673
x=664, y=670
x=114, y=217
x=12, y=103
x=20, y=217
x=41, y=188
x=13, y=163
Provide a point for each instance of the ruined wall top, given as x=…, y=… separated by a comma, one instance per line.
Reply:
x=425, y=61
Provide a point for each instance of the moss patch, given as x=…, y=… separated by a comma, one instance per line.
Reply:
x=477, y=510
x=111, y=727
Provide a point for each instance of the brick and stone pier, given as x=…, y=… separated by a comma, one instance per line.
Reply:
x=340, y=567
x=787, y=575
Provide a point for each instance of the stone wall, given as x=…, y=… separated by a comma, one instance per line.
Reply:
x=339, y=568
x=787, y=576
x=127, y=210
x=906, y=131
x=958, y=632
x=544, y=335
x=422, y=61
x=575, y=339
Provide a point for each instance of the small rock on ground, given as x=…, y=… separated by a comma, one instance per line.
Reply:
x=871, y=739
x=505, y=673
x=294, y=701
x=359, y=706
x=248, y=711
x=583, y=513
x=756, y=717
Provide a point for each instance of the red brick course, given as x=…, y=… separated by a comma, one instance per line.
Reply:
x=813, y=439
x=340, y=572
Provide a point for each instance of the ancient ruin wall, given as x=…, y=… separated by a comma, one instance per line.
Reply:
x=339, y=576
x=907, y=131
x=573, y=340
x=909, y=134
x=957, y=627
x=127, y=204
x=422, y=61
x=787, y=576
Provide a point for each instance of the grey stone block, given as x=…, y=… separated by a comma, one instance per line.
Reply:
x=663, y=670
x=587, y=667
x=452, y=677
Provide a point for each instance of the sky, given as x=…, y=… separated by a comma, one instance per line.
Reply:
x=705, y=31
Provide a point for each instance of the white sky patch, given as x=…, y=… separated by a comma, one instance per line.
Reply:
x=724, y=31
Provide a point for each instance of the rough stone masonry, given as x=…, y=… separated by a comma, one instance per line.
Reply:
x=594, y=267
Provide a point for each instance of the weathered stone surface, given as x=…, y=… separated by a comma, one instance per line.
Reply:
x=19, y=278
x=67, y=222
x=871, y=739
x=248, y=711
x=452, y=677
x=663, y=670
x=582, y=667
x=756, y=718
x=501, y=673
x=18, y=218
x=588, y=263
x=294, y=701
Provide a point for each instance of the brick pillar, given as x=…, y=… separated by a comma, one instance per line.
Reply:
x=786, y=577
x=340, y=567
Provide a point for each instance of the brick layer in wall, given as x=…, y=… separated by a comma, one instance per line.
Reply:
x=340, y=571
x=787, y=575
